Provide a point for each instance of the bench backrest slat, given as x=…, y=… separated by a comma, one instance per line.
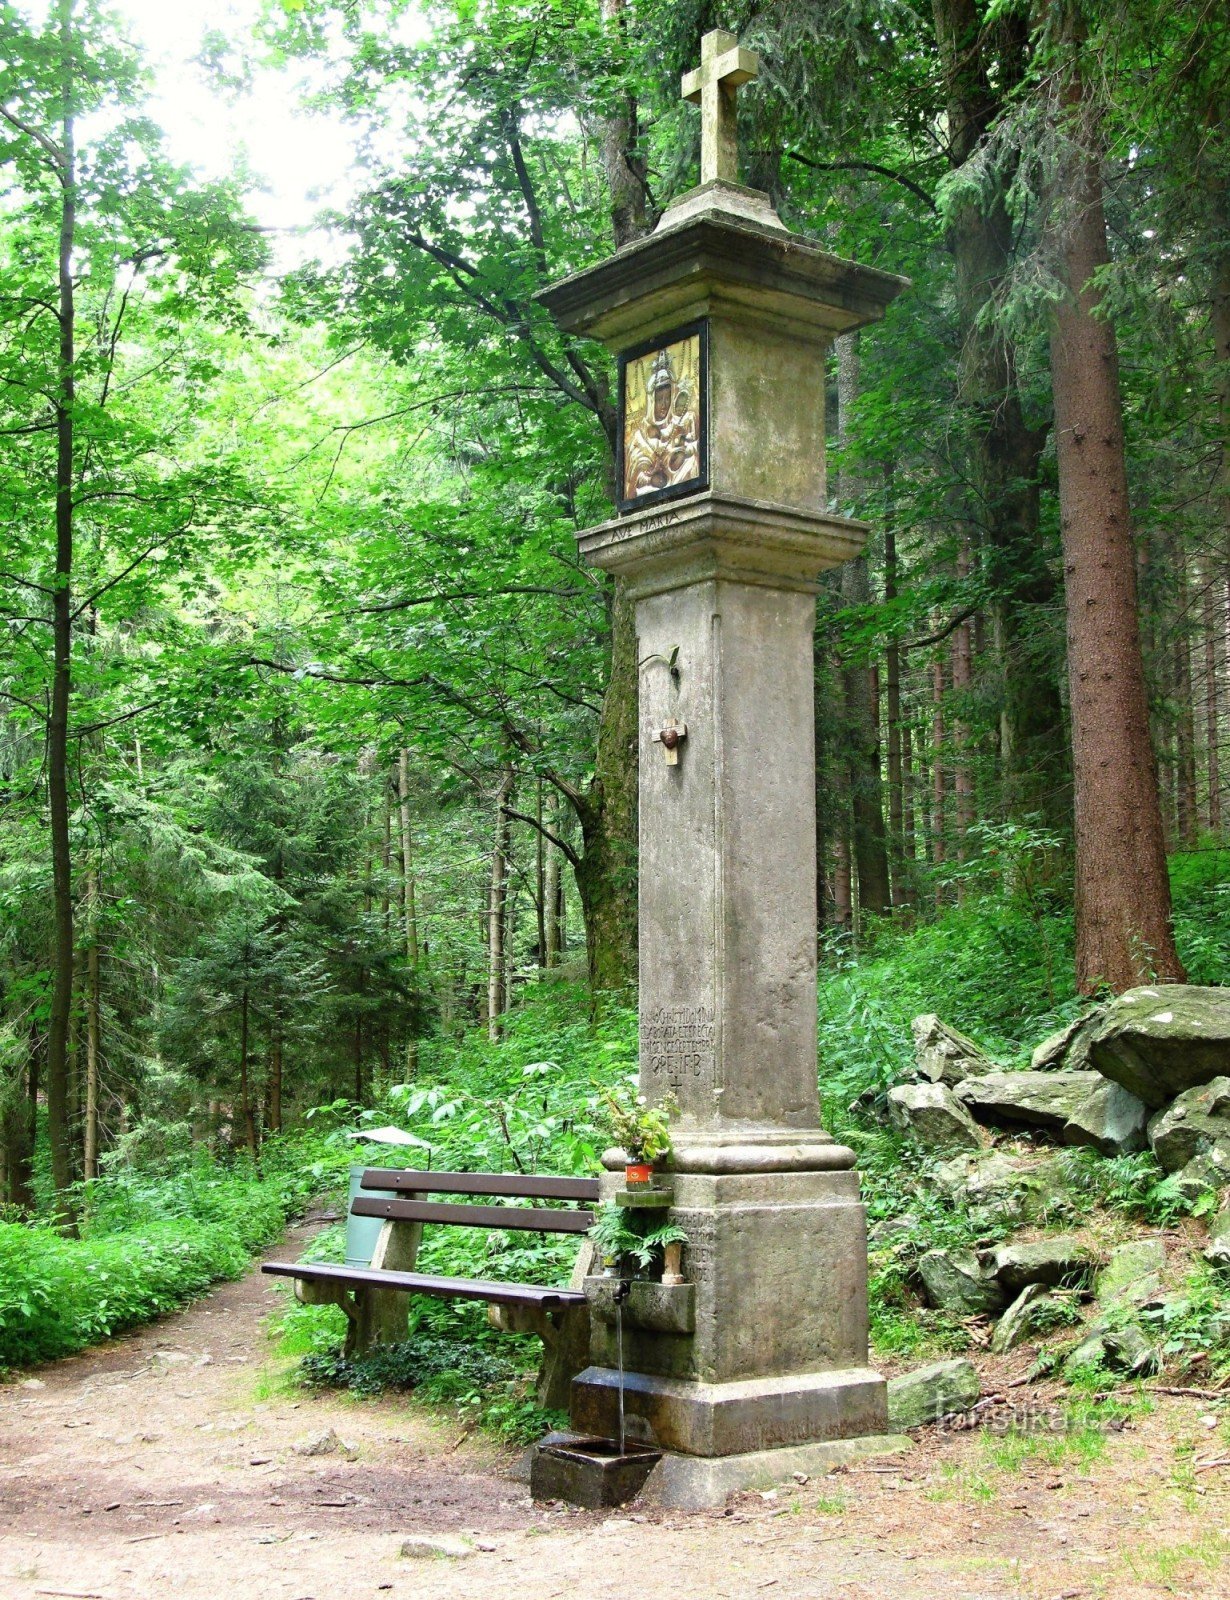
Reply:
x=528, y=1220
x=514, y=1185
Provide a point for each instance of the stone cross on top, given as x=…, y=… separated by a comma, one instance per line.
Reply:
x=724, y=66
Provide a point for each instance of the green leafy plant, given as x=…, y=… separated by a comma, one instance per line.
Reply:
x=612, y=1232
x=622, y=1233
x=640, y=1130
x=655, y=1241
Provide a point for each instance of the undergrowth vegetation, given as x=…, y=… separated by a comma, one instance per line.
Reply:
x=149, y=1242
x=153, y=1237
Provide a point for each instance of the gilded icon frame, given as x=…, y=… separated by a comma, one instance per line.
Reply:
x=699, y=481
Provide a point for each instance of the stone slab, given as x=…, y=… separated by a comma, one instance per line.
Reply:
x=723, y=1419
x=694, y=1483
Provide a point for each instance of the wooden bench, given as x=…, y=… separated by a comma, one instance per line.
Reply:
x=375, y=1299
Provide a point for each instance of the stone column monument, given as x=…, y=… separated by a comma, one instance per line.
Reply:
x=721, y=322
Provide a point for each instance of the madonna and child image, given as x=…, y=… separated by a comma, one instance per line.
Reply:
x=663, y=421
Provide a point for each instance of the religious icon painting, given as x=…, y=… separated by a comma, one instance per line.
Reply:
x=664, y=418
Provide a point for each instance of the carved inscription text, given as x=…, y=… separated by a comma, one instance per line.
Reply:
x=677, y=1046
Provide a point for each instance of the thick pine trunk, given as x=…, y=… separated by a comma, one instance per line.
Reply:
x=606, y=873
x=1123, y=925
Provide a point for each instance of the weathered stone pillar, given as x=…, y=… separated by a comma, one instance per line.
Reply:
x=722, y=320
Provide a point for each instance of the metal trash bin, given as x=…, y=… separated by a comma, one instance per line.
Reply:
x=362, y=1232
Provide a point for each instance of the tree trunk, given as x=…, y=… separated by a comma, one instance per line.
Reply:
x=275, y=1072
x=620, y=160
x=1219, y=327
x=540, y=877
x=606, y=873
x=409, y=903
x=938, y=844
x=1186, y=816
x=1123, y=926
x=93, y=1030
x=62, y=636
x=553, y=886
x=607, y=812
x=909, y=835
x=962, y=686
x=1212, y=666
x=843, y=882
x=245, y=1088
x=497, y=906
x=896, y=787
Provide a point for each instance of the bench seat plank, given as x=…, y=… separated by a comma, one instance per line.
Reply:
x=498, y=1294
x=513, y=1185
x=530, y=1219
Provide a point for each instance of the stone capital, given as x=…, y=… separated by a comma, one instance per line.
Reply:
x=712, y=535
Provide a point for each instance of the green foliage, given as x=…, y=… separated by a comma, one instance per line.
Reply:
x=997, y=966
x=485, y=1385
x=150, y=1242
x=1134, y=1185
x=1194, y=1327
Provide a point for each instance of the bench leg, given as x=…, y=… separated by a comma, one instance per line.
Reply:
x=565, y=1346
x=563, y=1355
x=382, y=1316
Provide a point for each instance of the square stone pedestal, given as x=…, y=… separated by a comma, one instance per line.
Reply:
x=776, y=1354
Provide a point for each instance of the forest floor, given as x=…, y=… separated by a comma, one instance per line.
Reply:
x=166, y=1462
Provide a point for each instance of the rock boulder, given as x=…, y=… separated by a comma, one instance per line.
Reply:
x=942, y=1055
x=931, y=1393
x=955, y=1280
x=1067, y=1047
x=1060, y=1260
x=1133, y=1275
x=1077, y=1107
x=998, y=1188
x=1016, y=1325
x=1159, y=1042
x=934, y=1116
x=1217, y=1251
x=1196, y=1124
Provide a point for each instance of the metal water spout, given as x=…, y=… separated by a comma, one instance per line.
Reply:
x=621, y=1294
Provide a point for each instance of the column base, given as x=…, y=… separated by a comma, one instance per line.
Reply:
x=728, y=1419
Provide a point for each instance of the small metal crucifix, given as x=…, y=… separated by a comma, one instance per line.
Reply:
x=724, y=66
x=670, y=736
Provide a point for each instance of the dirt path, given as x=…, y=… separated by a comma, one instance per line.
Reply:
x=165, y=1463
